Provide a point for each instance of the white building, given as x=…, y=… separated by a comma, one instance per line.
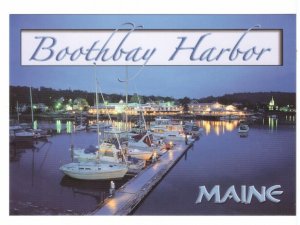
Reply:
x=214, y=109
x=162, y=108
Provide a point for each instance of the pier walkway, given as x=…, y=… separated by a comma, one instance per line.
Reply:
x=130, y=194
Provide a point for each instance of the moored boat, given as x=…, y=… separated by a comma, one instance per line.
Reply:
x=94, y=170
x=243, y=128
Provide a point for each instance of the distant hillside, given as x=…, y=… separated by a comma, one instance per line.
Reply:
x=280, y=98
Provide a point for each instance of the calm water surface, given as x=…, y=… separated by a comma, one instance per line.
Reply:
x=265, y=157
x=38, y=187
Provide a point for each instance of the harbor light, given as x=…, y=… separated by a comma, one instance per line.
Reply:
x=58, y=105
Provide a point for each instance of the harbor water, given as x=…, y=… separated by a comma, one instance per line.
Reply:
x=266, y=157
x=221, y=157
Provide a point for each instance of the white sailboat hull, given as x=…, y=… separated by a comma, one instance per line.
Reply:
x=94, y=171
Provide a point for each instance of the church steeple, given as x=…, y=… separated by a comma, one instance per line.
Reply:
x=272, y=104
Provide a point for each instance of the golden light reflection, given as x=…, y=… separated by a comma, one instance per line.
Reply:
x=171, y=156
x=207, y=127
x=112, y=204
x=217, y=129
x=219, y=126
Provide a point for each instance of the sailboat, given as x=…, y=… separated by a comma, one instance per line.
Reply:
x=95, y=170
x=19, y=133
x=37, y=133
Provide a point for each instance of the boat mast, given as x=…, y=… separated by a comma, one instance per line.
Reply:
x=109, y=117
x=18, y=112
x=126, y=109
x=97, y=107
x=31, y=107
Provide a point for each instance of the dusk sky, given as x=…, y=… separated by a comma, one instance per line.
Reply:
x=174, y=81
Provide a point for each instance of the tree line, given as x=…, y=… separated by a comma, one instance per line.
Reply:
x=48, y=96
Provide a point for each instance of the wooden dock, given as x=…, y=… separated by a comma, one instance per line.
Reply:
x=135, y=190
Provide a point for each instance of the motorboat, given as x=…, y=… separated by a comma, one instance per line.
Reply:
x=229, y=117
x=166, y=122
x=173, y=135
x=118, y=137
x=101, y=125
x=94, y=170
x=111, y=151
x=18, y=134
x=146, y=142
x=80, y=127
x=108, y=153
x=141, y=141
x=192, y=129
x=138, y=128
x=243, y=128
x=166, y=128
x=38, y=133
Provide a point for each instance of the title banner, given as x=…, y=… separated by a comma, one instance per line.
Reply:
x=135, y=46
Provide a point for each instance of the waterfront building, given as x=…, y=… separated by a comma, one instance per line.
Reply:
x=22, y=108
x=214, y=109
x=42, y=107
x=287, y=108
x=134, y=109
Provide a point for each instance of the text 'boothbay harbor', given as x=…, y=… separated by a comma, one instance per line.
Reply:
x=131, y=45
x=246, y=194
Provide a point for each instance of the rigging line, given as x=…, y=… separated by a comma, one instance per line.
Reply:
x=135, y=75
x=109, y=117
x=45, y=156
x=143, y=117
x=139, y=99
x=111, y=123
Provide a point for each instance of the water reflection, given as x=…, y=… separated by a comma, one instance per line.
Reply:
x=35, y=166
x=69, y=126
x=97, y=189
x=16, y=149
x=290, y=118
x=58, y=126
x=273, y=123
x=218, y=127
x=264, y=158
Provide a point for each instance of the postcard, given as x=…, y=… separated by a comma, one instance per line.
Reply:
x=152, y=114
